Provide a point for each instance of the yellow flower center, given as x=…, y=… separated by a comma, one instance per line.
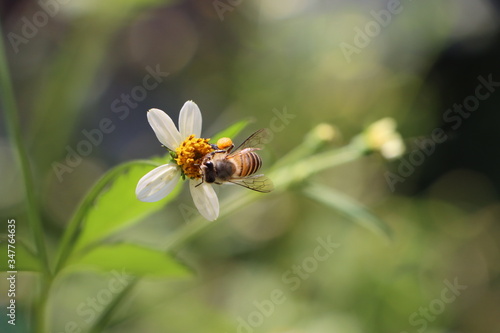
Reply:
x=190, y=153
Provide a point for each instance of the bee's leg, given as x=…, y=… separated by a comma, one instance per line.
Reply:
x=219, y=151
x=228, y=150
x=202, y=167
x=202, y=181
x=212, y=153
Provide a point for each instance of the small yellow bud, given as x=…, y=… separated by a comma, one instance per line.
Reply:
x=382, y=136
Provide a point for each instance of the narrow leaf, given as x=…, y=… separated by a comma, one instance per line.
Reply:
x=231, y=131
x=105, y=317
x=133, y=259
x=348, y=207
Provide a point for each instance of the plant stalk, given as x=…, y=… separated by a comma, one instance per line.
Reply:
x=9, y=105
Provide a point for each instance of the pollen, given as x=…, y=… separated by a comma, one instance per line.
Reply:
x=224, y=143
x=190, y=154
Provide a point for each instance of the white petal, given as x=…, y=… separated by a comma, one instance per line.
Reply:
x=158, y=183
x=205, y=199
x=190, y=120
x=164, y=128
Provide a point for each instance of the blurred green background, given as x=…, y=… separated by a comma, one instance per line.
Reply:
x=346, y=63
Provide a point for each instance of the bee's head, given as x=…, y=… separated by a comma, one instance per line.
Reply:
x=208, y=171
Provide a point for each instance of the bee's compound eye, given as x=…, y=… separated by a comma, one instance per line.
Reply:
x=224, y=143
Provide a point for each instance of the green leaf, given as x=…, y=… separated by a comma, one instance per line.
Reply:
x=25, y=259
x=231, y=131
x=133, y=259
x=109, y=206
x=118, y=207
x=348, y=207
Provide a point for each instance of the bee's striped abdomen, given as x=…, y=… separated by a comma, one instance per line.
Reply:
x=248, y=164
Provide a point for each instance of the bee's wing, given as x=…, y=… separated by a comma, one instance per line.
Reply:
x=256, y=140
x=259, y=183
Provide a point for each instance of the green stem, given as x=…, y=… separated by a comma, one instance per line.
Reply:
x=41, y=303
x=9, y=105
x=13, y=129
x=309, y=165
x=75, y=224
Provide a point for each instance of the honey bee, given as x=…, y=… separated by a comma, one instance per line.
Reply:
x=239, y=166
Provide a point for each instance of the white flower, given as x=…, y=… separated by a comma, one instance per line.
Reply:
x=190, y=148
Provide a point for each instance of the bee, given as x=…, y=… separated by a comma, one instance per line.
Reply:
x=224, y=165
